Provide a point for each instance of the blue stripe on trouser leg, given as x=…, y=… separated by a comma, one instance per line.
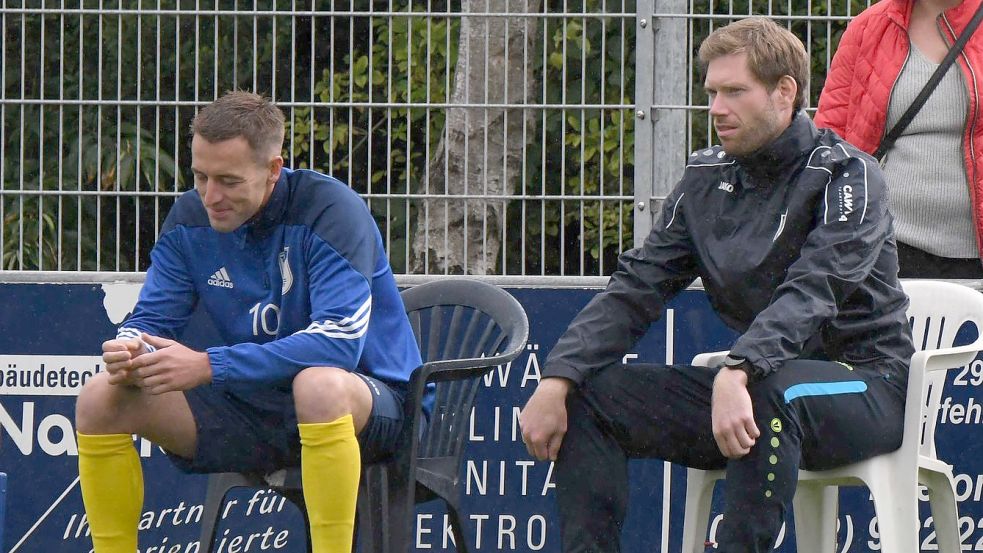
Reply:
x=824, y=389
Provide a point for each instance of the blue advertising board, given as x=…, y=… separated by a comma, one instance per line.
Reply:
x=49, y=344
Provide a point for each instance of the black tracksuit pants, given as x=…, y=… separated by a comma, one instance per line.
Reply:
x=811, y=414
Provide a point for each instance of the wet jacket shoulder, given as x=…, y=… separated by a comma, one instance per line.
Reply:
x=793, y=244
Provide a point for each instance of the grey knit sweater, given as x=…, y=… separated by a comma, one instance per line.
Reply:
x=925, y=173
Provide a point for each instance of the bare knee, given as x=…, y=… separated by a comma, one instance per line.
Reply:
x=104, y=408
x=323, y=394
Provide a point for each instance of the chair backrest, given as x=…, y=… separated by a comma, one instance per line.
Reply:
x=464, y=327
x=937, y=311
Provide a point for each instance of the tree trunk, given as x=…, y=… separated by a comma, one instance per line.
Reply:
x=481, y=152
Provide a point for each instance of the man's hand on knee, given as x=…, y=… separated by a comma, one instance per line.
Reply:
x=544, y=418
x=732, y=414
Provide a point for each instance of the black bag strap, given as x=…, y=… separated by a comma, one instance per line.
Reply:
x=929, y=87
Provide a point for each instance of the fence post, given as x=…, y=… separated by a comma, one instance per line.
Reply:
x=644, y=96
x=661, y=77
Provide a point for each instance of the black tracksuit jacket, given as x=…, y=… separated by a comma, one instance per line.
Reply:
x=795, y=248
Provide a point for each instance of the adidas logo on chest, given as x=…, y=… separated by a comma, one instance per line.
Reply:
x=221, y=279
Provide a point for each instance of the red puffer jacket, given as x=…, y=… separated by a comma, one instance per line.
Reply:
x=870, y=56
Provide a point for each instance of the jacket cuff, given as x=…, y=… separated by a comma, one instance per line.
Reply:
x=754, y=374
x=219, y=363
x=563, y=371
x=756, y=367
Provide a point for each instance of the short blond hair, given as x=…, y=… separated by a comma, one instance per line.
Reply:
x=772, y=52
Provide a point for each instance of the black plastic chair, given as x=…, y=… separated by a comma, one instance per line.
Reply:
x=464, y=328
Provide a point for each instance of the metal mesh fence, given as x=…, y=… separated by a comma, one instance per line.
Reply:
x=488, y=137
x=508, y=137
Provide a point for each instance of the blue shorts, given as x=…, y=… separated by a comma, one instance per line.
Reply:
x=256, y=431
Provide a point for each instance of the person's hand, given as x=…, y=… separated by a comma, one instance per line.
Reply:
x=118, y=355
x=544, y=418
x=732, y=415
x=173, y=367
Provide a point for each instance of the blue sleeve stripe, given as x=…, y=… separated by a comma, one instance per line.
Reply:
x=358, y=319
x=319, y=329
x=348, y=328
x=824, y=389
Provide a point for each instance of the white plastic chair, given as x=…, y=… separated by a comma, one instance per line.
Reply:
x=936, y=312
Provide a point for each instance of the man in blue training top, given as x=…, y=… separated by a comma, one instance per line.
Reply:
x=290, y=266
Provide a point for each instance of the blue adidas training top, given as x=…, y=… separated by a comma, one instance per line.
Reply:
x=304, y=284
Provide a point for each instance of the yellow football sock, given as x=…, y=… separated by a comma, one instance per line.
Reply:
x=330, y=465
x=112, y=490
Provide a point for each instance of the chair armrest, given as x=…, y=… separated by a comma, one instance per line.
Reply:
x=459, y=369
x=444, y=371
x=920, y=422
x=711, y=359
x=932, y=360
x=946, y=358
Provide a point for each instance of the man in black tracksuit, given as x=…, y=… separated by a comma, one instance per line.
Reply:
x=789, y=229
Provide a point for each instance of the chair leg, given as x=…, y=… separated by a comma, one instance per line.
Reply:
x=945, y=511
x=816, y=507
x=400, y=513
x=896, y=505
x=371, y=515
x=385, y=510
x=218, y=487
x=460, y=541
x=699, y=494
